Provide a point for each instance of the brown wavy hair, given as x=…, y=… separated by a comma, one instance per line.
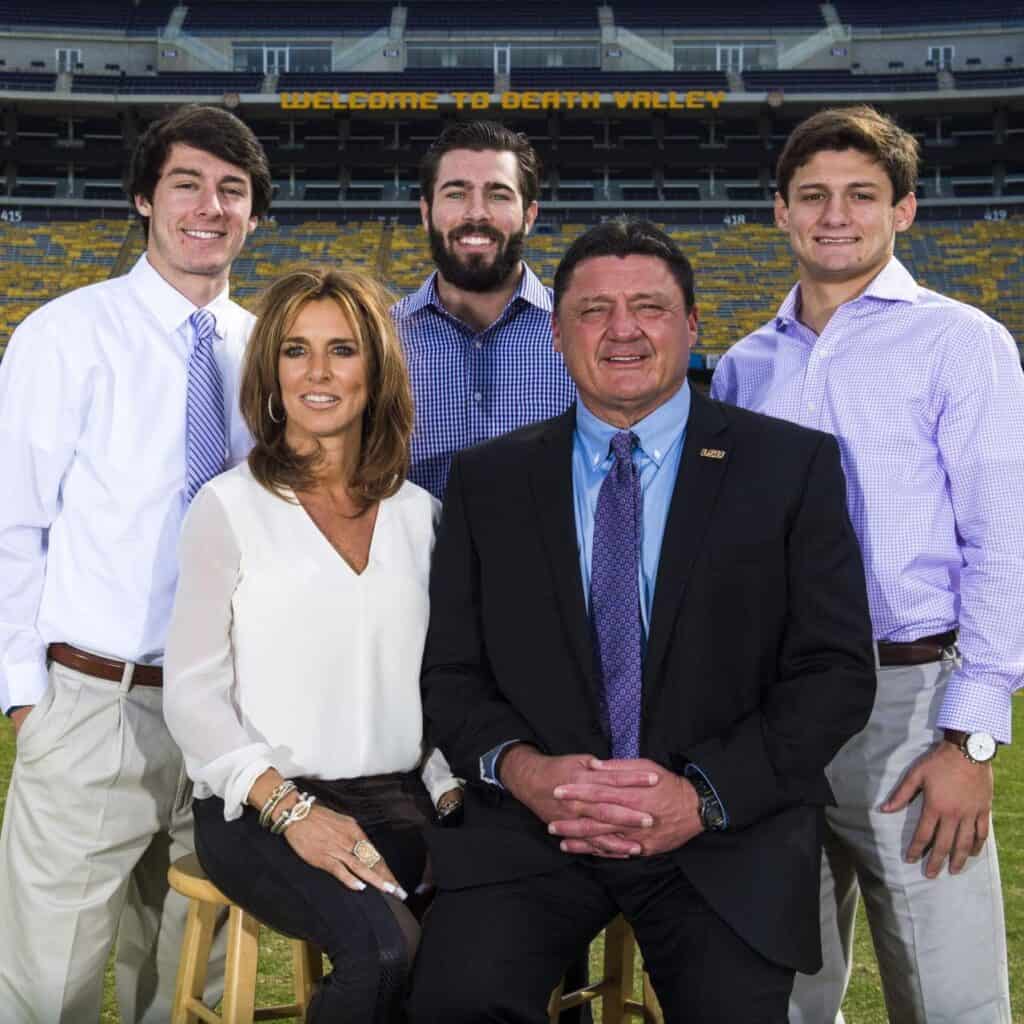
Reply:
x=862, y=128
x=210, y=129
x=387, y=420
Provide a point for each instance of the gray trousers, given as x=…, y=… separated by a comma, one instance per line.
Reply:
x=940, y=943
x=98, y=807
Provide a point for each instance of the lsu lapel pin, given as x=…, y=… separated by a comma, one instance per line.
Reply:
x=712, y=453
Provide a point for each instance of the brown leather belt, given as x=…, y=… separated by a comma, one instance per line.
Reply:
x=915, y=652
x=103, y=668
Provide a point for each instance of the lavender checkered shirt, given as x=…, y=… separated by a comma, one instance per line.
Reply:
x=469, y=386
x=926, y=397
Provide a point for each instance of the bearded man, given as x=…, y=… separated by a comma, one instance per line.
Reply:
x=477, y=333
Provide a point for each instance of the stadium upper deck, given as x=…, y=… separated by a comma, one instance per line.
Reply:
x=679, y=106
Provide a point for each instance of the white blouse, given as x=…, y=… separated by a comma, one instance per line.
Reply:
x=280, y=655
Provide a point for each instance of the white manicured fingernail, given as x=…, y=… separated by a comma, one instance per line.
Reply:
x=360, y=886
x=401, y=893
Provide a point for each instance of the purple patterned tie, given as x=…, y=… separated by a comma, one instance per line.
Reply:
x=615, y=595
x=205, y=434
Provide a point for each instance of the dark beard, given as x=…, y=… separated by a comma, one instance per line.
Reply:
x=474, y=275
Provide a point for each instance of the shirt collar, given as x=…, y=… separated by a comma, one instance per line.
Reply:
x=168, y=305
x=893, y=283
x=529, y=290
x=656, y=433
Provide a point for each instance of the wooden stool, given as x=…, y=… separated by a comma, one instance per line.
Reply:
x=239, y=1005
x=615, y=989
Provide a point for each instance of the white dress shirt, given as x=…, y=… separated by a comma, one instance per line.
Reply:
x=280, y=655
x=92, y=455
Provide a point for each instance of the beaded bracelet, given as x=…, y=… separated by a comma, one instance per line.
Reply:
x=281, y=790
x=297, y=812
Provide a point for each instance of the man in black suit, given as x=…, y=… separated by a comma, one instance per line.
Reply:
x=649, y=635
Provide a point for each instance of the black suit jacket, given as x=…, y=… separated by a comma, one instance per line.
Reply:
x=758, y=666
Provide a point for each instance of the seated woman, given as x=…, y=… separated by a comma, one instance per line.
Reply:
x=293, y=661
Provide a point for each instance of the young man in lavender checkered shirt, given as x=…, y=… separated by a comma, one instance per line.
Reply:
x=926, y=397
x=477, y=333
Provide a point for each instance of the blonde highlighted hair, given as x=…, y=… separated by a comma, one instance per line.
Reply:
x=387, y=420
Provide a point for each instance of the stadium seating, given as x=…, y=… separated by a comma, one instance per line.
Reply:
x=184, y=83
x=217, y=16
x=606, y=81
x=274, y=249
x=413, y=79
x=28, y=81
x=742, y=272
x=669, y=14
x=992, y=78
x=40, y=261
x=884, y=13
x=524, y=14
x=125, y=15
x=838, y=81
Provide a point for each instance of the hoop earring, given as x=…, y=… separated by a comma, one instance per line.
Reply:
x=270, y=410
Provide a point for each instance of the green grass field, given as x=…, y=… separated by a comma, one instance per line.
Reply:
x=864, y=1002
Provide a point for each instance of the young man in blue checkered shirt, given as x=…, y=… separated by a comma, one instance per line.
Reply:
x=477, y=333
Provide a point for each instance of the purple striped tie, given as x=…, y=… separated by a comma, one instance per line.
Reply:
x=615, y=595
x=205, y=436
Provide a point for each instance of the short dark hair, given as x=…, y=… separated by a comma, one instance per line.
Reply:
x=623, y=237
x=210, y=129
x=862, y=128
x=480, y=136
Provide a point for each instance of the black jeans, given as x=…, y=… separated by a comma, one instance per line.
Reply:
x=368, y=937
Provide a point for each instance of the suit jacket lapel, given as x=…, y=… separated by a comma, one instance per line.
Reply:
x=693, y=500
x=551, y=484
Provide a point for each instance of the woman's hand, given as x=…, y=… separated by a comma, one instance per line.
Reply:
x=327, y=840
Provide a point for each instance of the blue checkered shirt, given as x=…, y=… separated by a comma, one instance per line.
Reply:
x=926, y=398
x=470, y=386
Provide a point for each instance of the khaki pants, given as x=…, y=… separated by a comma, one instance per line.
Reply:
x=941, y=943
x=98, y=807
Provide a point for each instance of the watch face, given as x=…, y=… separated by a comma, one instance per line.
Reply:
x=980, y=746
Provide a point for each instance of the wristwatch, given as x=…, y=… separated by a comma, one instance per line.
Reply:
x=449, y=809
x=977, y=747
x=712, y=814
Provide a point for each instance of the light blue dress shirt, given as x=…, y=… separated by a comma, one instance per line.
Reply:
x=660, y=445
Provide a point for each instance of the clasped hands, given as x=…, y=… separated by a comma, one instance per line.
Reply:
x=617, y=808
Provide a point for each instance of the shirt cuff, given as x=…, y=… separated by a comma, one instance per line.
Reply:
x=26, y=685
x=973, y=706
x=489, y=763
x=692, y=770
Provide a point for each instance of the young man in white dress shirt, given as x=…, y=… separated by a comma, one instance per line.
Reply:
x=100, y=457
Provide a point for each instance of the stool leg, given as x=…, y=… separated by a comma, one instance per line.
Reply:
x=195, y=956
x=241, y=968
x=618, y=971
x=653, y=1013
x=307, y=969
x=554, y=1007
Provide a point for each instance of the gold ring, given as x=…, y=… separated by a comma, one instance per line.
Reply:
x=366, y=853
